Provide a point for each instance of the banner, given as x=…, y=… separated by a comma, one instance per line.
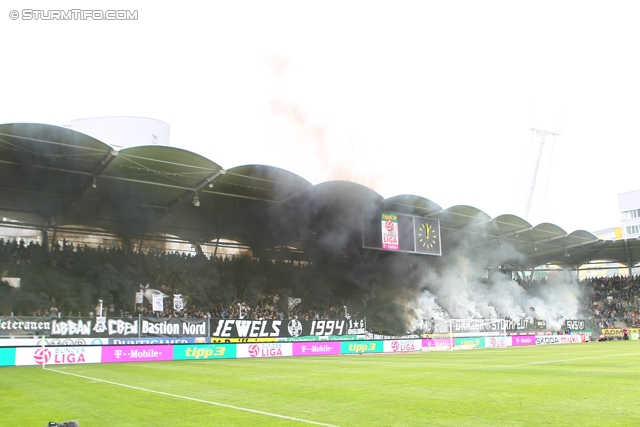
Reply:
x=260, y=350
x=174, y=327
x=361, y=347
x=558, y=339
x=139, y=297
x=619, y=332
x=520, y=340
x=575, y=325
x=158, y=302
x=204, y=352
x=137, y=353
x=157, y=340
x=178, y=304
x=243, y=328
x=401, y=346
x=469, y=343
x=133, y=327
x=319, y=349
x=7, y=356
x=57, y=355
x=22, y=325
x=437, y=343
x=389, y=223
x=496, y=342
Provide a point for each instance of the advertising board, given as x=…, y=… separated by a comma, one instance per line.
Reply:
x=272, y=349
x=324, y=348
x=204, y=351
x=137, y=353
x=401, y=346
x=57, y=355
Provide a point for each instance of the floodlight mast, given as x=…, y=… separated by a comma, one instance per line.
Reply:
x=542, y=135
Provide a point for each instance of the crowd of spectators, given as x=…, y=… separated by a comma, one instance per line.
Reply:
x=233, y=287
x=68, y=280
x=612, y=302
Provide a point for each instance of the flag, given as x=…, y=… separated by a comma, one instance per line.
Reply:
x=14, y=282
x=178, y=304
x=293, y=302
x=157, y=302
x=139, y=297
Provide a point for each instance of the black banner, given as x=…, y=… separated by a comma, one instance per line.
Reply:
x=24, y=325
x=149, y=327
x=575, y=325
x=103, y=327
x=243, y=328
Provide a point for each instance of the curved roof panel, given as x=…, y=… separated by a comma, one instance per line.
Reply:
x=412, y=205
x=51, y=175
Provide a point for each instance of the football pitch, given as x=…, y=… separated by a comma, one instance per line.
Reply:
x=593, y=384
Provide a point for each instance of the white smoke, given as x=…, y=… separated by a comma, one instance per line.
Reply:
x=458, y=287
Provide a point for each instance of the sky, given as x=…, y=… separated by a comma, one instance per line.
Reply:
x=430, y=98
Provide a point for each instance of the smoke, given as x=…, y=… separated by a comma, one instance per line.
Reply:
x=458, y=286
x=333, y=152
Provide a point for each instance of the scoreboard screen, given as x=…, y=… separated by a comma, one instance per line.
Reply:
x=396, y=232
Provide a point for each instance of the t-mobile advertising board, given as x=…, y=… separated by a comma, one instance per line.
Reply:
x=437, y=343
x=57, y=355
x=520, y=340
x=137, y=353
x=316, y=348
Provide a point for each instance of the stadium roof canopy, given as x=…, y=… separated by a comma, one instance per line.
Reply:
x=53, y=177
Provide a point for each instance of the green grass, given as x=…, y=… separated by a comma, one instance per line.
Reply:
x=594, y=384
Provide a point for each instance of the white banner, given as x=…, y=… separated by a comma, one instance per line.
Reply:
x=12, y=281
x=157, y=302
x=139, y=297
x=178, y=304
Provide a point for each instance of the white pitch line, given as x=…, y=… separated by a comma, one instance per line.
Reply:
x=223, y=405
x=571, y=360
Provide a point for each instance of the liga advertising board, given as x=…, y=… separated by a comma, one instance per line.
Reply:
x=271, y=349
x=391, y=231
x=401, y=346
x=26, y=356
x=496, y=342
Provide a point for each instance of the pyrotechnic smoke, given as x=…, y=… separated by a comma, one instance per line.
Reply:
x=459, y=288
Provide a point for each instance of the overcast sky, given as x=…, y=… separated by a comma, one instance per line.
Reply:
x=429, y=98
